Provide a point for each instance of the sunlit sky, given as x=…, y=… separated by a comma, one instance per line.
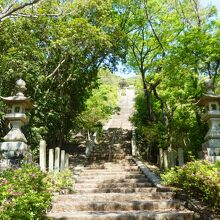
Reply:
x=212, y=2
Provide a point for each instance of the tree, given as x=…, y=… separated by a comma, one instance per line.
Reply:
x=59, y=58
x=157, y=29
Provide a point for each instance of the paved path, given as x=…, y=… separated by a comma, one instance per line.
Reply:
x=126, y=104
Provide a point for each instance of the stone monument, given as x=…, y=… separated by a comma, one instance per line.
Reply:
x=211, y=102
x=15, y=146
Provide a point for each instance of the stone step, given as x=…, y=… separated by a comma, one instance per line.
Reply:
x=111, y=176
x=120, y=161
x=111, y=169
x=108, y=166
x=121, y=180
x=105, y=172
x=111, y=184
x=119, y=197
x=117, y=206
x=114, y=190
x=123, y=215
x=102, y=159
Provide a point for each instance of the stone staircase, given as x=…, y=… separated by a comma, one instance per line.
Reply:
x=113, y=188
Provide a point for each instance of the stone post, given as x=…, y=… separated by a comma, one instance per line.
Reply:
x=66, y=161
x=51, y=160
x=165, y=159
x=62, y=160
x=57, y=159
x=133, y=143
x=43, y=155
x=180, y=157
x=161, y=158
x=171, y=158
x=95, y=137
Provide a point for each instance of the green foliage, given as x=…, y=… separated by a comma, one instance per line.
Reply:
x=200, y=179
x=59, y=57
x=26, y=192
x=172, y=47
x=23, y=193
x=102, y=103
x=59, y=180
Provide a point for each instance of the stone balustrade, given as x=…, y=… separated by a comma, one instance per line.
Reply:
x=58, y=160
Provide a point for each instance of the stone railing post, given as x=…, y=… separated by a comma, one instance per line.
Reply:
x=89, y=147
x=62, y=160
x=180, y=157
x=94, y=137
x=66, y=161
x=51, y=160
x=43, y=155
x=133, y=143
x=161, y=158
x=165, y=158
x=57, y=159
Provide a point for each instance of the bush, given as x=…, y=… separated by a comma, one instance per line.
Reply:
x=200, y=179
x=60, y=180
x=24, y=193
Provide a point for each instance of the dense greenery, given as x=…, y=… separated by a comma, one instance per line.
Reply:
x=102, y=103
x=58, y=48
x=199, y=179
x=173, y=50
x=58, y=55
x=26, y=193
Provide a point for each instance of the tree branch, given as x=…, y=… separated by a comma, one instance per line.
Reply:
x=57, y=68
x=152, y=28
x=9, y=11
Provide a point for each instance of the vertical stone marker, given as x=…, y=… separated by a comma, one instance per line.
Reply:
x=161, y=156
x=57, y=159
x=62, y=160
x=51, y=160
x=180, y=157
x=43, y=155
x=165, y=158
x=66, y=161
x=133, y=143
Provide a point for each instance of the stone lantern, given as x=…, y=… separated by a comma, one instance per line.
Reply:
x=211, y=102
x=15, y=143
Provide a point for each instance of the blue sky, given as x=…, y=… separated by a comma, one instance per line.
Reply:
x=212, y=2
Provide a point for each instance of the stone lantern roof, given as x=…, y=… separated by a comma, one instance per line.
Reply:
x=206, y=98
x=19, y=98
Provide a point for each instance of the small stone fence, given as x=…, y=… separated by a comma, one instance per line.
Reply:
x=166, y=159
x=58, y=160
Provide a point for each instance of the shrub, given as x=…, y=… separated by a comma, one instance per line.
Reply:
x=59, y=180
x=23, y=193
x=200, y=179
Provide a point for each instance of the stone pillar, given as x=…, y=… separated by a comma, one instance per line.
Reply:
x=180, y=157
x=51, y=160
x=43, y=155
x=62, y=160
x=57, y=159
x=66, y=161
x=161, y=158
x=171, y=158
x=95, y=137
x=165, y=159
x=133, y=143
